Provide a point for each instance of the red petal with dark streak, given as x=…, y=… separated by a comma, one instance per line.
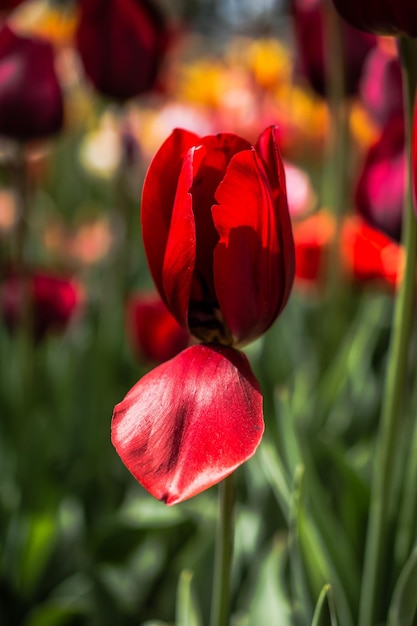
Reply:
x=190, y=422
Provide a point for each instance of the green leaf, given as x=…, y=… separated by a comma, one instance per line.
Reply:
x=187, y=612
x=271, y=602
x=324, y=614
x=40, y=542
x=53, y=614
x=403, y=607
x=276, y=475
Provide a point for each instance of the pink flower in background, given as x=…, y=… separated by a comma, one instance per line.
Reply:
x=31, y=103
x=381, y=85
x=218, y=238
x=379, y=196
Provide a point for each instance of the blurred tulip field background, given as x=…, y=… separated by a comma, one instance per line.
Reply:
x=89, y=91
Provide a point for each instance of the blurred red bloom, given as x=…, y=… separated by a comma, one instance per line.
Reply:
x=154, y=333
x=366, y=255
x=308, y=20
x=121, y=45
x=52, y=301
x=31, y=103
x=219, y=243
x=381, y=184
x=384, y=17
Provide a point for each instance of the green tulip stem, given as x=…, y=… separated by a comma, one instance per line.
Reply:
x=377, y=550
x=220, y=605
x=21, y=188
x=336, y=168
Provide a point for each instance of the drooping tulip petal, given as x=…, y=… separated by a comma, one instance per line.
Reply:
x=190, y=422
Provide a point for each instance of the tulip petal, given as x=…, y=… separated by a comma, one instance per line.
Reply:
x=158, y=196
x=249, y=267
x=190, y=422
x=180, y=250
x=267, y=148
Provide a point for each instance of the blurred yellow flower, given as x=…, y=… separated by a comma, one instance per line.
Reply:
x=267, y=60
x=101, y=148
x=42, y=18
x=364, y=130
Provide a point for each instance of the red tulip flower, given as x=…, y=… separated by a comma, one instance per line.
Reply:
x=52, y=301
x=121, y=45
x=154, y=333
x=308, y=19
x=31, y=103
x=383, y=17
x=381, y=186
x=218, y=238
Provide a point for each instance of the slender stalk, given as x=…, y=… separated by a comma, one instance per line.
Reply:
x=220, y=604
x=21, y=188
x=336, y=170
x=375, y=570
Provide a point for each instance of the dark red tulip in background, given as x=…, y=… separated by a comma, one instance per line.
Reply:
x=154, y=333
x=384, y=17
x=31, y=104
x=309, y=30
x=53, y=300
x=121, y=45
x=218, y=238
